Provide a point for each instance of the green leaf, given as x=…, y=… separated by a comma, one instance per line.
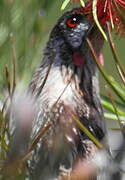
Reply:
x=94, y=11
x=82, y=3
x=113, y=116
x=117, y=101
x=88, y=133
x=109, y=79
x=119, y=91
x=65, y=3
x=110, y=107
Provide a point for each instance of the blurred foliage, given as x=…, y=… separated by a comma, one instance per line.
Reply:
x=24, y=26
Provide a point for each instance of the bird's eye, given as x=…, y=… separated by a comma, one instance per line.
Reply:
x=73, y=21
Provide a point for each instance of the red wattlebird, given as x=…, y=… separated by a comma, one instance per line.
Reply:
x=71, y=89
x=66, y=86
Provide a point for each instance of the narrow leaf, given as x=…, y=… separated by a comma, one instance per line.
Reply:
x=113, y=116
x=115, y=86
x=82, y=3
x=87, y=132
x=94, y=11
x=110, y=108
x=65, y=3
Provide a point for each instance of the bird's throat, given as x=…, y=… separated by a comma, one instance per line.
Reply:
x=78, y=59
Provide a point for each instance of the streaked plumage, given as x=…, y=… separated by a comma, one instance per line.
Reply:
x=71, y=89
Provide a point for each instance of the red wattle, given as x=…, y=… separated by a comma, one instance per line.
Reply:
x=78, y=59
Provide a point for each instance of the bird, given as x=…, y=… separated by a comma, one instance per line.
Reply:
x=66, y=86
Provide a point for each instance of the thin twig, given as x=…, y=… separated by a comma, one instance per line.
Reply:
x=13, y=63
x=95, y=58
x=62, y=93
x=116, y=112
x=116, y=58
x=7, y=75
x=87, y=132
x=34, y=143
x=47, y=74
x=41, y=133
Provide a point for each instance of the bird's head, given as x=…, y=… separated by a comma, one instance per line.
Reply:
x=70, y=35
x=69, y=68
x=75, y=26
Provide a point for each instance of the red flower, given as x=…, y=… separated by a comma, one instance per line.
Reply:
x=112, y=11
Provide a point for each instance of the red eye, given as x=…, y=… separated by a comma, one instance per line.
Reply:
x=72, y=22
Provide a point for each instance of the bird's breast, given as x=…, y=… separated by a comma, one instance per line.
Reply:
x=59, y=97
x=58, y=89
